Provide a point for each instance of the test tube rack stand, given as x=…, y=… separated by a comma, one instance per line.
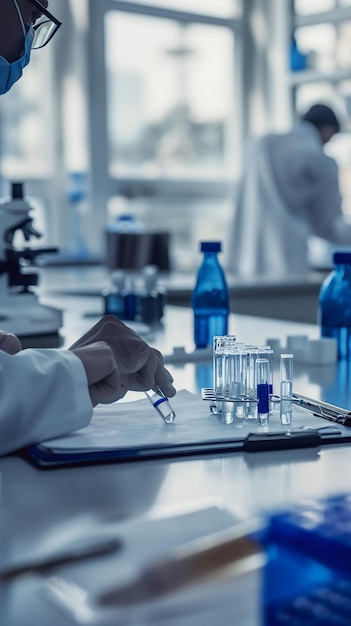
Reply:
x=208, y=394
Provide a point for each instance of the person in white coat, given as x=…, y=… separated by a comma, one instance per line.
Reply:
x=289, y=191
x=49, y=392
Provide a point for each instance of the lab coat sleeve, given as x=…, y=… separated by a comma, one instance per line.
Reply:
x=325, y=208
x=43, y=394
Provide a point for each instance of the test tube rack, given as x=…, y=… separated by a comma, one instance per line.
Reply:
x=243, y=382
x=244, y=406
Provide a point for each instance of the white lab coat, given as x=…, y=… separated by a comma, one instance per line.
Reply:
x=288, y=192
x=43, y=394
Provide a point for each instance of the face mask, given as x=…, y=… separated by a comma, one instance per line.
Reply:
x=11, y=72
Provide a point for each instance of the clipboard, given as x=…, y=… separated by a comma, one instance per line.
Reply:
x=195, y=432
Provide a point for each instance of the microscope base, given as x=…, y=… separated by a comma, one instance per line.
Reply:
x=23, y=315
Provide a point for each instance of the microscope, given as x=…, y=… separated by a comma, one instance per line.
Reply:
x=20, y=310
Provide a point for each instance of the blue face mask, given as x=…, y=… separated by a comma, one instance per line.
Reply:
x=11, y=72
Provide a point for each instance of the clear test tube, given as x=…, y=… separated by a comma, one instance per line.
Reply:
x=262, y=382
x=229, y=363
x=225, y=407
x=236, y=375
x=246, y=350
x=218, y=359
x=161, y=404
x=244, y=367
x=251, y=386
x=221, y=345
x=286, y=388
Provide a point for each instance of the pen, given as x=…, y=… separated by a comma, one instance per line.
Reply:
x=86, y=548
x=161, y=404
x=323, y=409
x=231, y=551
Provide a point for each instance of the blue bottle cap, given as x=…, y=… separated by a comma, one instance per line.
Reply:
x=126, y=217
x=341, y=257
x=210, y=246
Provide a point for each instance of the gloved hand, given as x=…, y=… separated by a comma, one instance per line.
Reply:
x=104, y=379
x=9, y=343
x=141, y=367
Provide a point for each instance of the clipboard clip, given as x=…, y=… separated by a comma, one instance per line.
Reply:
x=323, y=409
x=289, y=440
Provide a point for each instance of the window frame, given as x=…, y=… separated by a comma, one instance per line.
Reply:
x=105, y=185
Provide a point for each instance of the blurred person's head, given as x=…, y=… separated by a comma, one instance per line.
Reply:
x=24, y=24
x=324, y=120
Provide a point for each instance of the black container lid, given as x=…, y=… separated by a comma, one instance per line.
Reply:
x=340, y=258
x=210, y=246
x=17, y=191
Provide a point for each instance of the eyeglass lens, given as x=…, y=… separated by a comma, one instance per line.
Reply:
x=43, y=31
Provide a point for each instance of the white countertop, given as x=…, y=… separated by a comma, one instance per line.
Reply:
x=34, y=503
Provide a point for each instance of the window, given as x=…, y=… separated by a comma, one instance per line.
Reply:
x=169, y=97
x=306, y=7
x=167, y=145
x=222, y=8
x=26, y=150
x=327, y=77
x=319, y=44
x=325, y=40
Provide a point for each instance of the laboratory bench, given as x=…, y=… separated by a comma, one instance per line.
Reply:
x=38, y=507
x=294, y=298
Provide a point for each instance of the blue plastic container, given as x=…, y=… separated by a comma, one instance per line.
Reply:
x=335, y=304
x=307, y=579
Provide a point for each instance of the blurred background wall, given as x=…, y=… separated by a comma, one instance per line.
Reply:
x=151, y=104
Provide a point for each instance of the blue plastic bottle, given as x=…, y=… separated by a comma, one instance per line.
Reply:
x=210, y=298
x=124, y=223
x=335, y=304
x=113, y=295
x=78, y=202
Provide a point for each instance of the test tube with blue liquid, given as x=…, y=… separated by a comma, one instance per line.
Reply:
x=266, y=352
x=286, y=388
x=262, y=381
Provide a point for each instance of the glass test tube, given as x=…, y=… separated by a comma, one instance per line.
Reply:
x=161, y=405
x=262, y=380
x=218, y=344
x=221, y=345
x=242, y=374
x=286, y=388
x=266, y=352
x=224, y=348
x=218, y=371
x=235, y=379
x=251, y=390
x=229, y=349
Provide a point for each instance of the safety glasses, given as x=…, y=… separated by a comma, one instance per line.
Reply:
x=45, y=26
